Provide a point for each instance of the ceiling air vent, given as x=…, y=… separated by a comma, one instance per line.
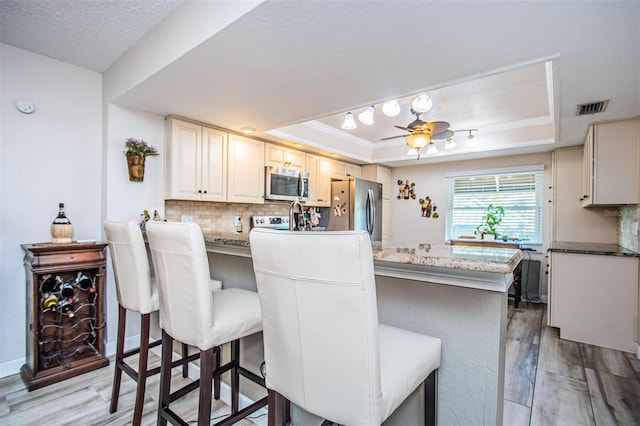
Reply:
x=592, y=108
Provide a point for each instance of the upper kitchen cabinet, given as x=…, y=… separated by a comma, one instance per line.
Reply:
x=245, y=177
x=611, y=160
x=340, y=170
x=319, y=169
x=279, y=156
x=196, y=162
x=381, y=175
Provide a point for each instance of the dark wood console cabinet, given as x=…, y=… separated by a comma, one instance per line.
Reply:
x=60, y=343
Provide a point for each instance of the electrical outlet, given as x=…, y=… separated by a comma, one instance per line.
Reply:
x=186, y=218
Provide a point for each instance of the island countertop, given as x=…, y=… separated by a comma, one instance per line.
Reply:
x=480, y=259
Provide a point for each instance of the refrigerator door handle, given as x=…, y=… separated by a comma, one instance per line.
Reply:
x=371, y=210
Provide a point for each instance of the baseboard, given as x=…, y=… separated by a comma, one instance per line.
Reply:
x=11, y=367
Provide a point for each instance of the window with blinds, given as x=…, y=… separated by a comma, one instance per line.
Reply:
x=519, y=193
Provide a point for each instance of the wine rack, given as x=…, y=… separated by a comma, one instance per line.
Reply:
x=65, y=329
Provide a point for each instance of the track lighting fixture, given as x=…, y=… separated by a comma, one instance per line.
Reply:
x=421, y=103
x=450, y=144
x=366, y=116
x=349, y=123
x=391, y=108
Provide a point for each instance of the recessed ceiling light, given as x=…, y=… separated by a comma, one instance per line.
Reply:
x=248, y=130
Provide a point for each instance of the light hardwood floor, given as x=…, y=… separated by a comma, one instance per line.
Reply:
x=548, y=381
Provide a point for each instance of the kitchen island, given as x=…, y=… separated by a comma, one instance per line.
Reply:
x=455, y=293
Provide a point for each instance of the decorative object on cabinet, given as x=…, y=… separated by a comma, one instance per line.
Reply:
x=428, y=209
x=137, y=151
x=61, y=228
x=492, y=219
x=406, y=190
x=65, y=322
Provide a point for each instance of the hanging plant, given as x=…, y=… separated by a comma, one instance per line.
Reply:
x=136, y=152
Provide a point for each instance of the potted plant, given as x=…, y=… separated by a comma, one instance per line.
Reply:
x=492, y=219
x=137, y=150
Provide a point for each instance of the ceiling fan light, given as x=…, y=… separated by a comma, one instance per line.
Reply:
x=412, y=151
x=417, y=140
x=432, y=149
x=391, y=108
x=349, y=123
x=366, y=116
x=422, y=103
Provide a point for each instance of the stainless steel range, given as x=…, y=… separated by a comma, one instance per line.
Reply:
x=271, y=222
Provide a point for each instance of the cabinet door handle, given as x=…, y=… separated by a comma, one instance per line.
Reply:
x=205, y=191
x=199, y=191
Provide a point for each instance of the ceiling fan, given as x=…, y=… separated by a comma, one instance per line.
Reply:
x=432, y=129
x=422, y=132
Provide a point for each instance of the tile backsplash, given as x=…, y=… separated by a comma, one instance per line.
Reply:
x=628, y=223
x=218, y=218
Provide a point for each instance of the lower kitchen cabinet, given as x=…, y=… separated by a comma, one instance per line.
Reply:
x=594, y=298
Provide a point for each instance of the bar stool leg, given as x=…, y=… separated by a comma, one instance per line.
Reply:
x=117, y=377
x=142, y=368
x=235, y=376
x=185, y=366
x=216, y=380
x=430, y=399
x=165, y=376
x=206, y=376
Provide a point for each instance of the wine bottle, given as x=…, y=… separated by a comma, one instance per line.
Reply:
x=85, y=283
x=66, y=290
x=50, y=302
x=61, y=228
x=62, y=218
x=48, y=286
x=66, y=308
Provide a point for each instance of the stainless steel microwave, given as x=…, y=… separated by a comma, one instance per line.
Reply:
x=286, y=184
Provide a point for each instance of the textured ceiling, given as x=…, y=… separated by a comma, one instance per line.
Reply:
x=89, y=34
x=285, y=64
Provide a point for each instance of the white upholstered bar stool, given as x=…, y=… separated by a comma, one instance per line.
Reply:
x=324, y=348
x=136, y=291
x=191, y=313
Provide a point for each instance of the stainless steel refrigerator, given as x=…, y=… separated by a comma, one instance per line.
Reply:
x=356, y=204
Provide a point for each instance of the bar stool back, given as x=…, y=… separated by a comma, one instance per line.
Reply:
x=191, y=313
x=324, y=349
x=136, y=291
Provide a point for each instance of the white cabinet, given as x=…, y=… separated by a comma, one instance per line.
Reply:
x=382, y=175
x=319, y=169
x=196, y=162
x=593, y=298
x=245, y=174
x=341, y=170
x=611, y=163
x=280, y=156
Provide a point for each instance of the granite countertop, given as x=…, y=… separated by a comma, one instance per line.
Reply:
x=482, y=259
x=604, y=249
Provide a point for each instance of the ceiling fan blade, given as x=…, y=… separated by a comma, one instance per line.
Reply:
x=407, y=129
x=394, y=137
x=443, y=135
x=438, y=126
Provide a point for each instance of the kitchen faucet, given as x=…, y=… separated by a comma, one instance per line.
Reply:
x=292, y=221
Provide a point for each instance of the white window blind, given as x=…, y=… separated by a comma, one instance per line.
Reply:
x=519, y=193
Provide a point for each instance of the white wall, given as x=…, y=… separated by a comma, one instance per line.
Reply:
x=53, y=155
x=408, y=227
x=125, y=200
